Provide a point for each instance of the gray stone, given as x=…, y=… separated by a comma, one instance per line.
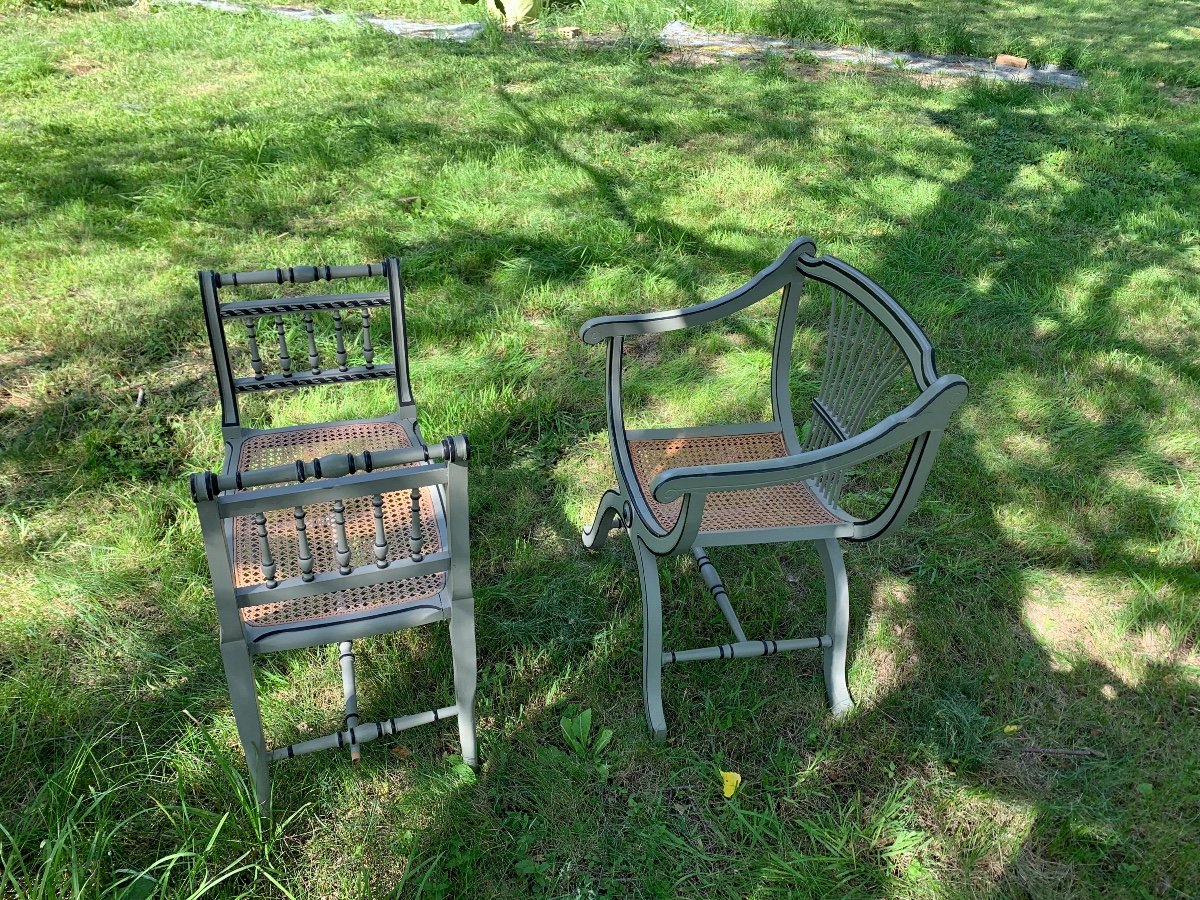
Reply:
x=680, y=36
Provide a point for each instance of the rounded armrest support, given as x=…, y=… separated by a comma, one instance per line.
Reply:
x=762, y=285
x=928, y=414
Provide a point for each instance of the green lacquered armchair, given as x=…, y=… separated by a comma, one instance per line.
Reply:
x=681, y=490
x=328, y=532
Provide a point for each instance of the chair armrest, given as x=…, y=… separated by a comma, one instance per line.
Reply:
x=927, y=414
x=762, y=285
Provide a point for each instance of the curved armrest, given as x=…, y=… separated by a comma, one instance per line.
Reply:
x=927, y=414
x=762, y=285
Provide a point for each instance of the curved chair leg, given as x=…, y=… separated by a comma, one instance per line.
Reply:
x=652, y=640
x=607, y=512
x=462, y=648
x=837, y=626
x=239, y=674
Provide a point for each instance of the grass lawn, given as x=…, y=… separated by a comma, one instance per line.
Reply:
x=1158, y=40
x=1044, y=593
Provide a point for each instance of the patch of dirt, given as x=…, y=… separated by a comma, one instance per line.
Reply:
x=1071, y=615
x=1074, y=620
x=18, y=371
x=77, y=66
x=893, y=656
x=1180, y=96
x=968, y=815
x=644, y=348
x=1039, y=874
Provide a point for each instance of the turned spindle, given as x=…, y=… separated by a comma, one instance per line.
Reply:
x=381, y=544
x=314, y=361
x=416, y=534
x=304, y=552
x=340, y=354
x=285, y=360
x=342, y=546
x=256, y=362
x=368, y=349
x=267, y=562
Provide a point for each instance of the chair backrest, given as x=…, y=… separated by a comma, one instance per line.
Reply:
x=339, y=523
x=286, y=371
x=870, y=341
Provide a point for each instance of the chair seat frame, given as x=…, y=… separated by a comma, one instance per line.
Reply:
x=919, y=426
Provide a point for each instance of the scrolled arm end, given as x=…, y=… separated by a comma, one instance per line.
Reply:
x=596, y=330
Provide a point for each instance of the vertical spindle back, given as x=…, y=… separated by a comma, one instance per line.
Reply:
x=278, y=368
x=300, y=547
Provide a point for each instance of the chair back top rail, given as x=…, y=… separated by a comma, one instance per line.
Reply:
x=797, y=259
x=297, y=274
x=761, y=286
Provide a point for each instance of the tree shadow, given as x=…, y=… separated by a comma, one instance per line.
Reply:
x=974, y=647
x=558, y=625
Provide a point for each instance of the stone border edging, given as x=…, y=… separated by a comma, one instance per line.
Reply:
x=436, y=31
x=680, y=36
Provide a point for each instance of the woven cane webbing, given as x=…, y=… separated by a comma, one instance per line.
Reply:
x=780, y=506
x=278, y=447
x=274, y=449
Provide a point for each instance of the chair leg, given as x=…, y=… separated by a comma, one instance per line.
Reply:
x=349, y=692
x=837, y=626
x=652, y=640
x=462, y=648
x=243, y=694
x=607, y=512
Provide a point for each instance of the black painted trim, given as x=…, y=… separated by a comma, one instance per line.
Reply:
x=830, y=419
x=382, y=615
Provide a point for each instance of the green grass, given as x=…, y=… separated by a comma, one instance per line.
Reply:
x=1049, y=243
x=1156, y=40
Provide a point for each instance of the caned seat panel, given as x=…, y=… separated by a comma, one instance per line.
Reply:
x=306, y=443
x=780, y=506
x=275, y=448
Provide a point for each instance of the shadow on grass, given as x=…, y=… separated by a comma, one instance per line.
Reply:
x=558, y=625
x=968, y=662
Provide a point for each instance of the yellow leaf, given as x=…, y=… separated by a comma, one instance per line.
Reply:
x=1012, y=729
x=730, y=782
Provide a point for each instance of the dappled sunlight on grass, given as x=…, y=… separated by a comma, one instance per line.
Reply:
x=1047, y=580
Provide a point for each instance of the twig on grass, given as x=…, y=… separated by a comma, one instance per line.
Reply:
x=1064, y=751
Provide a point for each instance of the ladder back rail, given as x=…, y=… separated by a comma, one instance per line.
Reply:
x=365, y=574
x=254, y=384
x=330, y=303
x=297, y=275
